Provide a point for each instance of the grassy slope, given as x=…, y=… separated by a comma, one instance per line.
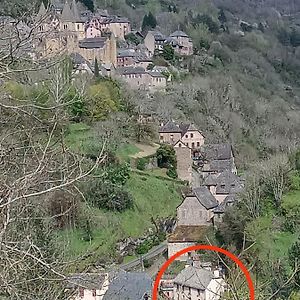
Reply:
x=152, y=197
x=273, y=243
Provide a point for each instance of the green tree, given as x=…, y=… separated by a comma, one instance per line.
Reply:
x=96, y=69
x=294, y=259
x=149, y=22
x=166, y=158
x=168, y=52
x=89, y=4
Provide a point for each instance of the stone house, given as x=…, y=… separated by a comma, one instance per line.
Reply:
x=62, y=30
x=182, y=43
x=188, y=134
x=223, y=184
x=198, y=283
x=109, y=286
x=214, y=159
x=197, y=208
x=139, y=78
x=102, y=23
x=154, y=42
x=132, y=58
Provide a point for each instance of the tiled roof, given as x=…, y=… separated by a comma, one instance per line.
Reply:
x=131, y=286
x=193, y=277
x=126, y=53
x=211, y=180
x=219, y=165
x=205, y=197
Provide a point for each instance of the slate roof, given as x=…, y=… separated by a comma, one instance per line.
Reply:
x=155, y=74
x=187, y=127
x=129, y=286
x=228, y=183
x=87, y=281
x=193, y=277
x=228, y=201
x=131, y=70
x=220, y=165
x=170, y=127
x=90, y=43
x=179, y=33
x=67, y=14
x=158, y=36
x=211, y=180
x=217, y=151
x=126, y=53
x=205, y=197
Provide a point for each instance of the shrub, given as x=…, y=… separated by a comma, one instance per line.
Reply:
x=118, y=174
x=172, y=173
x=107, y=196
x=141, y=163
x=166, y=156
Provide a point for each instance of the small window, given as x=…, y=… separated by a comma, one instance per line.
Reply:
x=192, y=135
x=78, y=27
x=94, y=292
x=193, y=145
x=161, y=137
x=187, y=144
x=179, y=145
x=222, y=186
x=233, y=185
x=198, y=144
x=186, y=136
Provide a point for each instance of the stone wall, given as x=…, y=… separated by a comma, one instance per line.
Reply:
x=184, y=163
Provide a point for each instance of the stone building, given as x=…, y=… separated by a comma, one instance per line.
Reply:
x=62, y=30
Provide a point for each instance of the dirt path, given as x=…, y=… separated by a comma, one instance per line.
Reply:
x=146, y=150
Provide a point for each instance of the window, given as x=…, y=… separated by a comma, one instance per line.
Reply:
x=198, y=144
x=172, y=137
x=161, y=137
x=94, y=293
x=192, y=135
x=233, y=185
x=222, y=186
x=193, y=145
x=186, y=136
x=179, y=145
x=78, y=27
x=187, y=144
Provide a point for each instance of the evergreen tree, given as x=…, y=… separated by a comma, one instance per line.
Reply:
x=168, y=52
x=149, y=22
x=96, y=70
x=89, y=4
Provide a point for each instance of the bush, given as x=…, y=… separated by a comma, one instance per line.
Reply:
x=109, y=197
x=166, y=156
x=172, y=173
x=141, y=163
x=118, y=174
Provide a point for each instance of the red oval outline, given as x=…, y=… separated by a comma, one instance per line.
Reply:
x=204, y=247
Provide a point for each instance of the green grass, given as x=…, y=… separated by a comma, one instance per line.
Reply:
x=152, y=198
x=291, y=200
x=126, y=150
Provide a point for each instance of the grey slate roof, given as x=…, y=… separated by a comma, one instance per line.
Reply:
x=205, y=197
x=217, y=151
x=90, y=43
x=220, y=165
x=211, y=180
x=170, y=127
x=155, y=74
x=126, y=53
x=187, y=127
x=179, y=33
x=87, y=281
x=129, y=286
x=131, y=70
x=228, y=201
x=197, y=278
x=228, y=183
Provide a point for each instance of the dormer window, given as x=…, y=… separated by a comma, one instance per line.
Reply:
x=222, y=186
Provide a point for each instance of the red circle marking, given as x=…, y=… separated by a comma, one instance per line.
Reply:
x=204, y=247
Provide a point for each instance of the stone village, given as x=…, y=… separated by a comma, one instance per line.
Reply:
x=209, y=169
